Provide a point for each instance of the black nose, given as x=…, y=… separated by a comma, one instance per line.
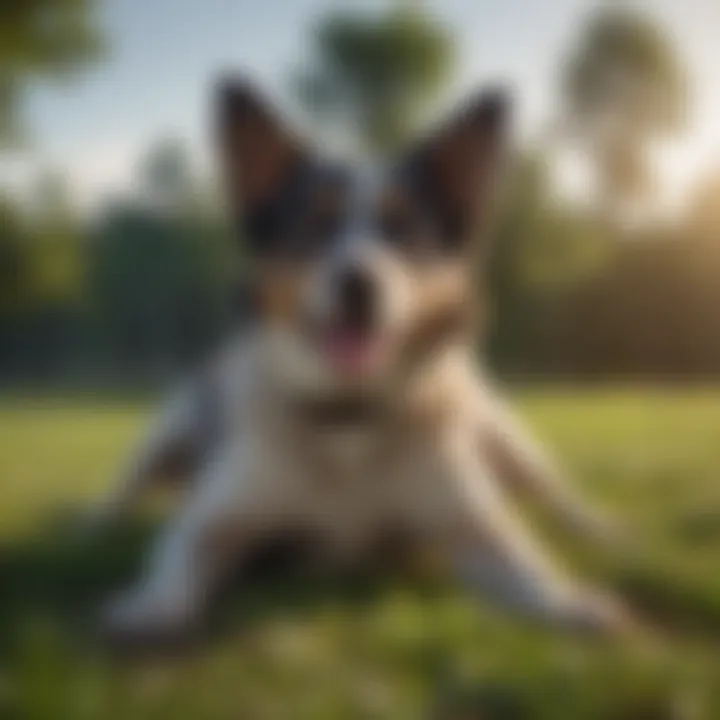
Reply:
x=357, y=301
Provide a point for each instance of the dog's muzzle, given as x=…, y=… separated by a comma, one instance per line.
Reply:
x=352, y=337
x=356, y=298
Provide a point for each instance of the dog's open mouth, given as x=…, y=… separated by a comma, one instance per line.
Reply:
x=353, y=351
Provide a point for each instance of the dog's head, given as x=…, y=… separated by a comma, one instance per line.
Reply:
x=360, y=274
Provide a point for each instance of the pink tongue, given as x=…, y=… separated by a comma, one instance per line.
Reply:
x=351, y=352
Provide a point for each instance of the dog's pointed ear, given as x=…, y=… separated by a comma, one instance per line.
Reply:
x=257, y=151
x=458, y=165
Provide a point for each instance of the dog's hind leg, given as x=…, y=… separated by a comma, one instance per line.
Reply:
x=491, y=550
x=520, y=462
x=171, y=450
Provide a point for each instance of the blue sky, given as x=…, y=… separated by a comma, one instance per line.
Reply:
x=164, y=54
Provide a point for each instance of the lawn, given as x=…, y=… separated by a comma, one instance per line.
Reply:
x=371, y=646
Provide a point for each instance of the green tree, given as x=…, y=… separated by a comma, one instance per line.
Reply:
x=13, y=260
x=42, y=247
x=377, y=73
x=624, y=88
x=543, y=251
x=41, y=39
x=56, y=244
x=167, y=176
x=160, y=268
x=42, y=256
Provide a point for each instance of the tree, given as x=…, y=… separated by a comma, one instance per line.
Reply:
x=13, y=261
x=42, y=247
x=42, y=256
x=166, y=176
x=377, y=74
x=543, y=250
x=160, y=268
x=624, y=88
x=41, y=39
x=56, y=243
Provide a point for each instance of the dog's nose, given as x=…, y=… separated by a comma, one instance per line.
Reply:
x=357, y=299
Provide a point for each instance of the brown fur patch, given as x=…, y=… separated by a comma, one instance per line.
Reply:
x=279, y=292
x=443, y=310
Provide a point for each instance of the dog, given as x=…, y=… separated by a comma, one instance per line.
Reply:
x=352, y=405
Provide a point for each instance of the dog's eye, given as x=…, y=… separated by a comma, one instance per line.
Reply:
x=323, y=218
x=400, y=227
x=397, y=226
x=314, y=232
x=324, y=224
x=408, y=232
x=319, y=230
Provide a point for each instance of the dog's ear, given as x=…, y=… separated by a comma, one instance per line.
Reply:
x=456, y=168
x=258, y=153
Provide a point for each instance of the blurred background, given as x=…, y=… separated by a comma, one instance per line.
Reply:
x=118, y=269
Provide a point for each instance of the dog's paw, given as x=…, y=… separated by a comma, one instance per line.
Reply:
x=141, y=618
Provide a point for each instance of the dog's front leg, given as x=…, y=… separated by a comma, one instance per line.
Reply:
x=226, y=512
x=492, y=551
x=172, y=444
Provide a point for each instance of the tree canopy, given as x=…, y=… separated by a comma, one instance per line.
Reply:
x=377, y=73
x=623, y=87
x=41, y=39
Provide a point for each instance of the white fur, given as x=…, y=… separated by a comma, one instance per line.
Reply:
x=426, y=475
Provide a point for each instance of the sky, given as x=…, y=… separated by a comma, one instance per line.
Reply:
x=164, y=54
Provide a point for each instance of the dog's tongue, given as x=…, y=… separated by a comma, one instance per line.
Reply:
x=352, y=351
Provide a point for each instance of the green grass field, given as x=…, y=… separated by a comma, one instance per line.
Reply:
x=371, y=647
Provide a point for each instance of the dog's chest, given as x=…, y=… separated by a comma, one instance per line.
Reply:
x=346, y=453
x=364, y=475
x=358, y=487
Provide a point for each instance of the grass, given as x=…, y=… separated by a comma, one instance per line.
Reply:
x=374, y=646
